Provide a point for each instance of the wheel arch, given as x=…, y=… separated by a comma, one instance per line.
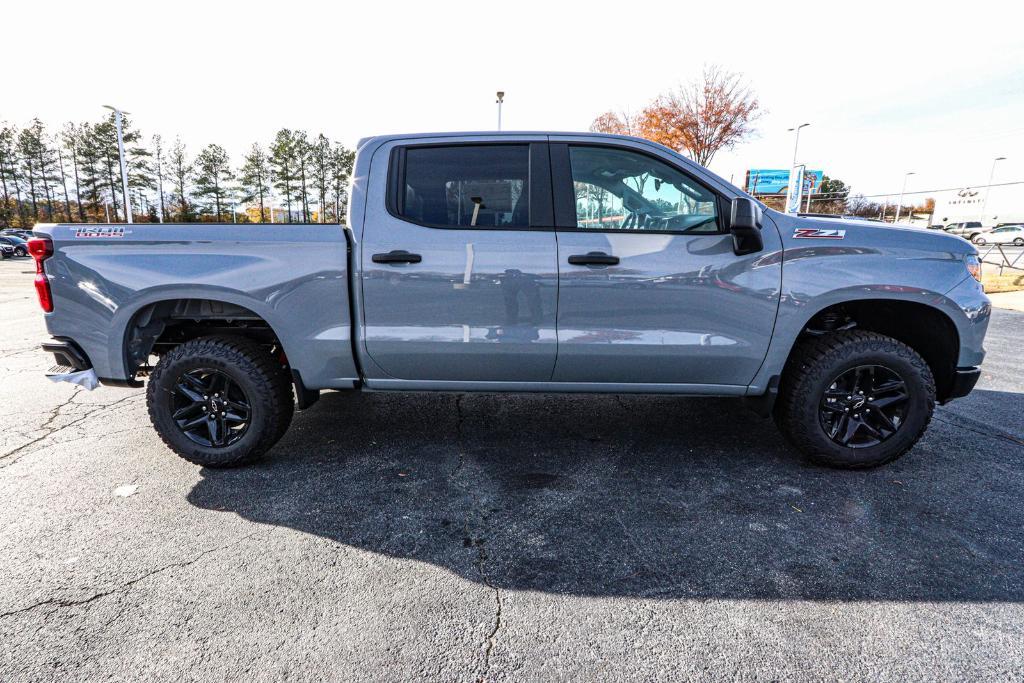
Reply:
x=162, y=324
x=928, y=330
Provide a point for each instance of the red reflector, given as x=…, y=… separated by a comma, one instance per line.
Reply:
x=42, y=249
x=43, y=290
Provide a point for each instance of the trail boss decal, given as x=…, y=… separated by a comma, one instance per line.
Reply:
x=815, y=233
x=100, y=231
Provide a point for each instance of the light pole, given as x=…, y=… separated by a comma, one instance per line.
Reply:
x=124, y=168
x=796, y=145
x=501, y=98
x=988, y=188
x=899, y=204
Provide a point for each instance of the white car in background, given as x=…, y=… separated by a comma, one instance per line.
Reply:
x=1008, y=234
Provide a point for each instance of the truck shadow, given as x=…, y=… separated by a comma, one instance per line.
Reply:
x=642, y=497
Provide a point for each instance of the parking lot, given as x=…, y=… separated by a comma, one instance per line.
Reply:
x=403, y=536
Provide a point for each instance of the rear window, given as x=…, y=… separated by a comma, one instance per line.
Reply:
x=466, y=186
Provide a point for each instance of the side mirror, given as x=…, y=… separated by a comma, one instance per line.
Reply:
x=745, y=226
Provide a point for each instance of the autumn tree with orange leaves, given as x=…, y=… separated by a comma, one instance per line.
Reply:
x=715, y=112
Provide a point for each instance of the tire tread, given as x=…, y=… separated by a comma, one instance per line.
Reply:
x=274, y=393
x=797, y=389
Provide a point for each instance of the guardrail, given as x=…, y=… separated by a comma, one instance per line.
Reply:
x=1003, y=260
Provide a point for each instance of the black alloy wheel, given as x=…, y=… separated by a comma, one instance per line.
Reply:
x=210, y=408
x=863, y=406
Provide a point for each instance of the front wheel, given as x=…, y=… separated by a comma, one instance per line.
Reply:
x=979, y=240
x=20, y=251
x=219, y=401
x=855, y=400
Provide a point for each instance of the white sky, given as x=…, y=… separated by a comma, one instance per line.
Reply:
x=935, y=88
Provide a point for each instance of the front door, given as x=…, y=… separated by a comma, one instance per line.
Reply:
x=459, y=270
x=650, y=289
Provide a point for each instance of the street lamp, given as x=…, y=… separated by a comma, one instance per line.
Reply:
x=124, y=168
x=988, y=188
x=899, y=204
x=501, y=98
x=796, y=145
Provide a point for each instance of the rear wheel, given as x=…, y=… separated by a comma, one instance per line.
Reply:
x=219, y=401
x=855, y=399
x=1018, y=242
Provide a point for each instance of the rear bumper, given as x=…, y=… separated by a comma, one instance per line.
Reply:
x=964, y=380
x=69, y=357
x=67, y=354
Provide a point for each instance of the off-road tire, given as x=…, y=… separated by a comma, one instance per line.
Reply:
x=253, y=369
x=810, y=370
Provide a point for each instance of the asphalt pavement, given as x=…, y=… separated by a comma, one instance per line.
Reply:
x=448, y=537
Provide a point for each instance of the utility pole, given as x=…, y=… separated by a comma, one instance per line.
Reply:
x=501, y=98
x=988, y=188
x=899, y=204
x=124, y=168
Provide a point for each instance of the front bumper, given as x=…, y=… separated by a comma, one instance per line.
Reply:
x=964, y=380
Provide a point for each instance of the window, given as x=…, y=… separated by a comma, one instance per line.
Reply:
x=467, y=186
x=621, y=190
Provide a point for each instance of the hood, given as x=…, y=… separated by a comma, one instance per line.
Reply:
x=797, y=230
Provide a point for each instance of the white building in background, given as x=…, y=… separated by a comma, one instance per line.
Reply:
x=1005, y=205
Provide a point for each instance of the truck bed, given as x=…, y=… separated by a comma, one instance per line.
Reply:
x=105, y=278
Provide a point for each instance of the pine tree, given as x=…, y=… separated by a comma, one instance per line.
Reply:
x=341, y=170
x=303, y=157
x=27, y=152
x=213, y=175
x=8, y=174
x=160, y=173
x=181, y=174
x=282, y=161
x=141, y=177
x=69, y=138
x=254, y=177
x=91, y=156
x=105, y=141
x=322, y=163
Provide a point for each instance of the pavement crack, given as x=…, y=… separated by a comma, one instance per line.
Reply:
x=977, y=427
x=458, y=436
x=480, y=562
x=492, y=636
x=59, y=603
x=50, y=429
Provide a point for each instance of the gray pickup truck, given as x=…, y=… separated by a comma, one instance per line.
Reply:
x=523, y=262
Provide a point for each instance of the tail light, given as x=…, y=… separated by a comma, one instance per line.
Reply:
x=42, y=249
x=973, y=266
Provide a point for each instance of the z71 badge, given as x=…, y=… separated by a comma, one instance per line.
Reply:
x=100, y=231
x=815, y=233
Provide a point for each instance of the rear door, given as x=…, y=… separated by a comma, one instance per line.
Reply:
x=650, y=289
x=459, y=271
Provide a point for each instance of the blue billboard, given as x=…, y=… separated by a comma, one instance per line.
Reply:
x=776, y=181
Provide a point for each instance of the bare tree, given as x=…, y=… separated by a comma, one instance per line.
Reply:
x=715, y=112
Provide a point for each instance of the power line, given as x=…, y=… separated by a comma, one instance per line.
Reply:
x=848, y=193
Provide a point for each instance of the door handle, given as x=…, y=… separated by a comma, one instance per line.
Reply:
x=397, y=256
x=594, y=258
